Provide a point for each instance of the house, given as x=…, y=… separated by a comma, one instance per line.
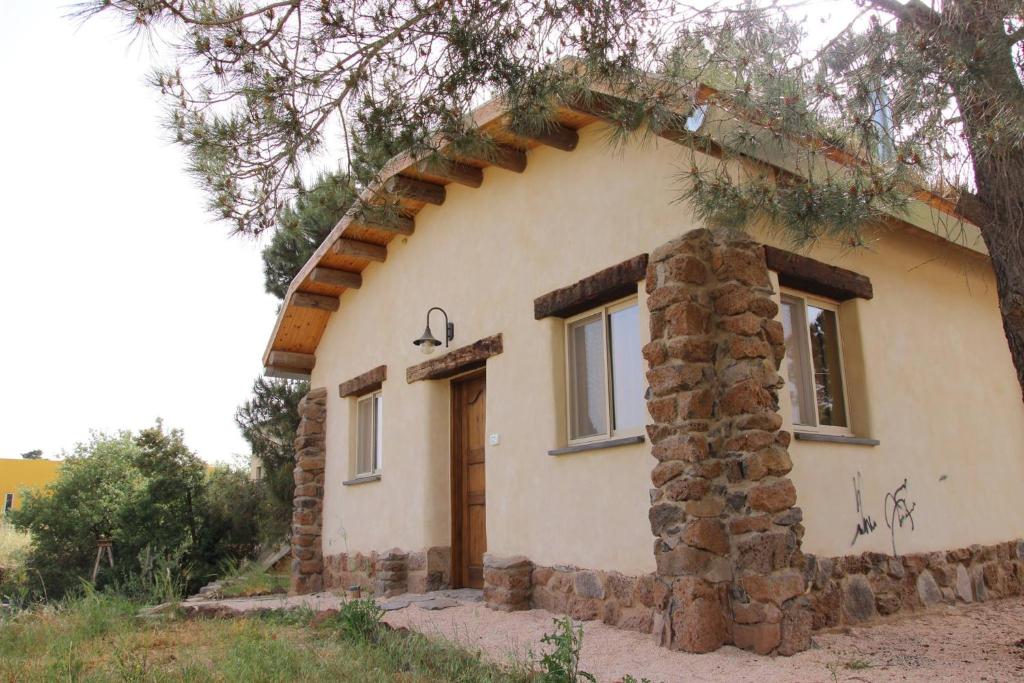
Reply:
x=627, y=417
x=18, y=474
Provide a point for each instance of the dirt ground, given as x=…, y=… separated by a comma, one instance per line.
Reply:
x=983, y=642
x=973, y=643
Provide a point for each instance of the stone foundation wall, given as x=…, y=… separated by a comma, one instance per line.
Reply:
x=391, y=572
x=307, y=506
x=840, y=591
x=857, y=588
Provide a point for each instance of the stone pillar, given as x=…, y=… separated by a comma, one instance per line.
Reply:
x=307, y=509
x=728, y=534
x=507, y=582
x=390, y=573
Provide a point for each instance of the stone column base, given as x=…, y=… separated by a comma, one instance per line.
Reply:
x=507, y=582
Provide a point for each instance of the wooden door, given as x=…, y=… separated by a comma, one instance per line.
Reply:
x=469, y=519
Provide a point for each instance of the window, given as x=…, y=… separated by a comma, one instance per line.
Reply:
x=8, y=502
x=369, y=433
x=605, y=374
x=814, y=373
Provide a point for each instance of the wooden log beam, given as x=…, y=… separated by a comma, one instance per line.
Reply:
x=414, y=189
x=318, y=301
x=291, y=359
x=460, y=360
x=371, y=380
x=457, y=172
x=336, y=278
x=554, y=135
x=817, y=277
x=396, y=225
x=502, y=156
x=283, y=372
x=602, y=287
x=346, y=246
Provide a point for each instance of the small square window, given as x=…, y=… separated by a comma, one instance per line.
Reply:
x=814, y=364
x=605, y=373
x=369, y=434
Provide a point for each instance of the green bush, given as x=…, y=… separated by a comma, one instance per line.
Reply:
x=171, y=523
x=562, y=663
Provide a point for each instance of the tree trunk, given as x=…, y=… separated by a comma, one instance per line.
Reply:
x=991, y=102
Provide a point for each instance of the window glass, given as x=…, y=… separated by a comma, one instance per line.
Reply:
x=792, y=315
x=364, y=436
x=378, y=422
x=828, y=379
x=8, y=502
x=588, y=385
x=627, y=373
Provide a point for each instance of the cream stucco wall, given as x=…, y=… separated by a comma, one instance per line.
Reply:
x=939, y=392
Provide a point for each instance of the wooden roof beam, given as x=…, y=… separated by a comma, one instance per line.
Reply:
x=502, y=156
x=346, y=246
x=291, y=360
x=457, y=172
x=413, y=189
x=397, y=225
x=321, y=302
x=555, y=135
x=336, y=278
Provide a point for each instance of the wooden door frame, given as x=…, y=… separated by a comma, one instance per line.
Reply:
x=455, y=473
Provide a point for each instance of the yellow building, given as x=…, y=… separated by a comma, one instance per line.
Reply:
x=635, y=420
x=17, y=474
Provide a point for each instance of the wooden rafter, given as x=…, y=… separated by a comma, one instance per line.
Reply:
x=322, y=302
x=336, y=277
x=502, y=156
x=292, y=360
x=397, y=225
x=405, y=187
x=555, y=135
x=345, y=246
x=455, y=171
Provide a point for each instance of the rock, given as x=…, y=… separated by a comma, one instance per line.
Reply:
x=707, y=534
x=772, y=497
x=687, y=561
x=588, y=585
x=437, y=603
x=698, y=624
x=795, y=635
x=511, y=562
x=776, y=588
x=858, y=599
x=764, y=553
x=395, y=604
x=928, y=589
x=962, y=586
x=761, y=638
x=888, y=603
x=663, y=516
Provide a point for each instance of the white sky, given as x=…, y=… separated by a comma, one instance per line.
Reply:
x=122, y=301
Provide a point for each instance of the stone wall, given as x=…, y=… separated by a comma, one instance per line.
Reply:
x=307, y=510
x=857, y=588
x=391, y=572
x=727, y=533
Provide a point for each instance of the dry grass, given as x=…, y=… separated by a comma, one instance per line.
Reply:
x=100, y=638
x=13, y=546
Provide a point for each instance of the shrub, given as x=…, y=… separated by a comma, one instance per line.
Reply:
x=562, y=663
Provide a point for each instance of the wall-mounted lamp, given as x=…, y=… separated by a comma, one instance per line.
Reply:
x=427, y=342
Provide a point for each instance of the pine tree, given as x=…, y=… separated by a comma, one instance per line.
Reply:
x=908, y=93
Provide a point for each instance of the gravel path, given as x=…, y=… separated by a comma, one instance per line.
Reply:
x=973, y=643
x=983, y=642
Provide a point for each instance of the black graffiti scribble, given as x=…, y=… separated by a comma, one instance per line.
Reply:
x=898, y=512
x=866, y=524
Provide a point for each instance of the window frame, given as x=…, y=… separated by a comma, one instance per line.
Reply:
x=376, y=400
x=8, y=503
x=605, y=311
x=807, y=371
